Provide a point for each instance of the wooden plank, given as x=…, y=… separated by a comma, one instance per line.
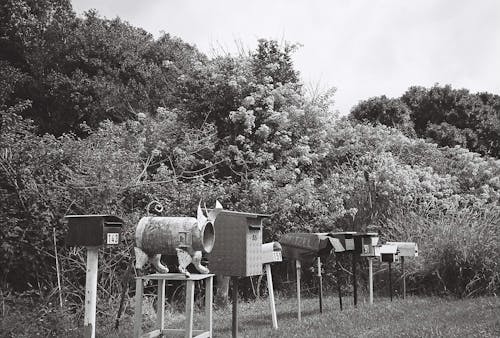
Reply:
x=177, y=331
x=297, y=267
x=234, y=329
x=270, y=289
x=404, y=277
x=189, y=308
x=320, y=285
x=370, y=278
x=151, y=334
x=354, y=279
x=209, y=299
x=176, y=276
x=90, y=292
x=138, y=308
x=160, y=305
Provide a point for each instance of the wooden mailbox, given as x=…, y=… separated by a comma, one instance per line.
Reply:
x=93, y=230
x=346, y=239
x=237, y=252
x=387, y=252
x=406, y=249
x=365, y=243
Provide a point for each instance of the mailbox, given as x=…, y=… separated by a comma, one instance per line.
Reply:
x=237, y=252
x=406, y=249
x=346, y=239
x=93, y=230
x=271, y=252
x=387, y=252
x=365, y=243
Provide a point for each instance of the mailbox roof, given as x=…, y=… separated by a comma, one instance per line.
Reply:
x=243, y=214
x=111, y=218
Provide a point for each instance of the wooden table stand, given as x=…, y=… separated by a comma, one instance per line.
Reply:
x=188, y=329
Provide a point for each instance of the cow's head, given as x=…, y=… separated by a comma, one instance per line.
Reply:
x=206, y=225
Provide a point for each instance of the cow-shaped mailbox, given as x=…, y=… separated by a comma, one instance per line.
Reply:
x=186, y=237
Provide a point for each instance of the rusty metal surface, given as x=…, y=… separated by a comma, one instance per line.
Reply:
x=165, y=234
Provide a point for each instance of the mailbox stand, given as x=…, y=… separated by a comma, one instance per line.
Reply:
x=92, y=232
x=90, y=291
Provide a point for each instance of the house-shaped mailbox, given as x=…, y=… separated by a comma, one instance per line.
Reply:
x=365, y=243
x=237, y=250
x=406, y=249
x=387, y=252
x=93, y=230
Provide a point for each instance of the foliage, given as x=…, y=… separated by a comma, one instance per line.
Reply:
x=447, y=116
x=134, y=119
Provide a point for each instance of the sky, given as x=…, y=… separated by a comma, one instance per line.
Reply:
x=363, y=48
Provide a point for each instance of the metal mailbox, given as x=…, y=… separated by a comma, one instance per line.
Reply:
x=346, y=239
x=406, y=249
x=237, y=252
x=93, y=230
x=271, y=253
x=387, y=252
x=365, y=243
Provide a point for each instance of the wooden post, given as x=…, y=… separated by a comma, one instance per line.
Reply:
x=138, y=307
x=390, y=279
x=90, y=292
x=160, y=305
x=270, y=289
x=235, y=306
x=404, y=277
x=370, y=278
x=209, y=299
x=189, y=308
x=297, y=267
x=339, y=286
x=354, y=281
x=320, y=282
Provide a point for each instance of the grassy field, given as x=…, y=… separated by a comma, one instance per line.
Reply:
x=413, y=317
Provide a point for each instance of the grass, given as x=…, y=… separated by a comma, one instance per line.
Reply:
x=412, y=317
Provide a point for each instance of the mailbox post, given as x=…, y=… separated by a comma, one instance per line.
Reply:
x=405, y=249
x=347, y=239
x=237, y=252
x=388, y=253
x=364, y=245
x=92, y=231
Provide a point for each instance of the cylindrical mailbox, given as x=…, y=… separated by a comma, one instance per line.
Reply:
x=164, y=234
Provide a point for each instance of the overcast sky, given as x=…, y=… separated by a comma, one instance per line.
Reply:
x=363, y=48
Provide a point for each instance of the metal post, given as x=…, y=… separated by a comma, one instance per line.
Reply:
x=234, y=331
x=320, y=282
x=354, y=281
x=390, y=279
x=90, y=292
x=370, y=278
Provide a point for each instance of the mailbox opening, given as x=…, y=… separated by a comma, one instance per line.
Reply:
x=208, y=237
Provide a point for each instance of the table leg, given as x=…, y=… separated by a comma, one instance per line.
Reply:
x=160, y=306
x=189, y=308
x=138, y=308
x=209, y=282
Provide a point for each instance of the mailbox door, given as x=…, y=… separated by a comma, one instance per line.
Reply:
x=254, y=247
x=85, y=231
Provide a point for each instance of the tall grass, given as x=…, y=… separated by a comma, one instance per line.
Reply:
x=459, y=250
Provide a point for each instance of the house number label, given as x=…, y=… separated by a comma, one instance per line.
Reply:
x=112, y=238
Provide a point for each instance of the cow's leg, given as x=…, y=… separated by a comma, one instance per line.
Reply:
x=197, y=262
x=141, y=258
x=184, y=259
x=156, y=261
